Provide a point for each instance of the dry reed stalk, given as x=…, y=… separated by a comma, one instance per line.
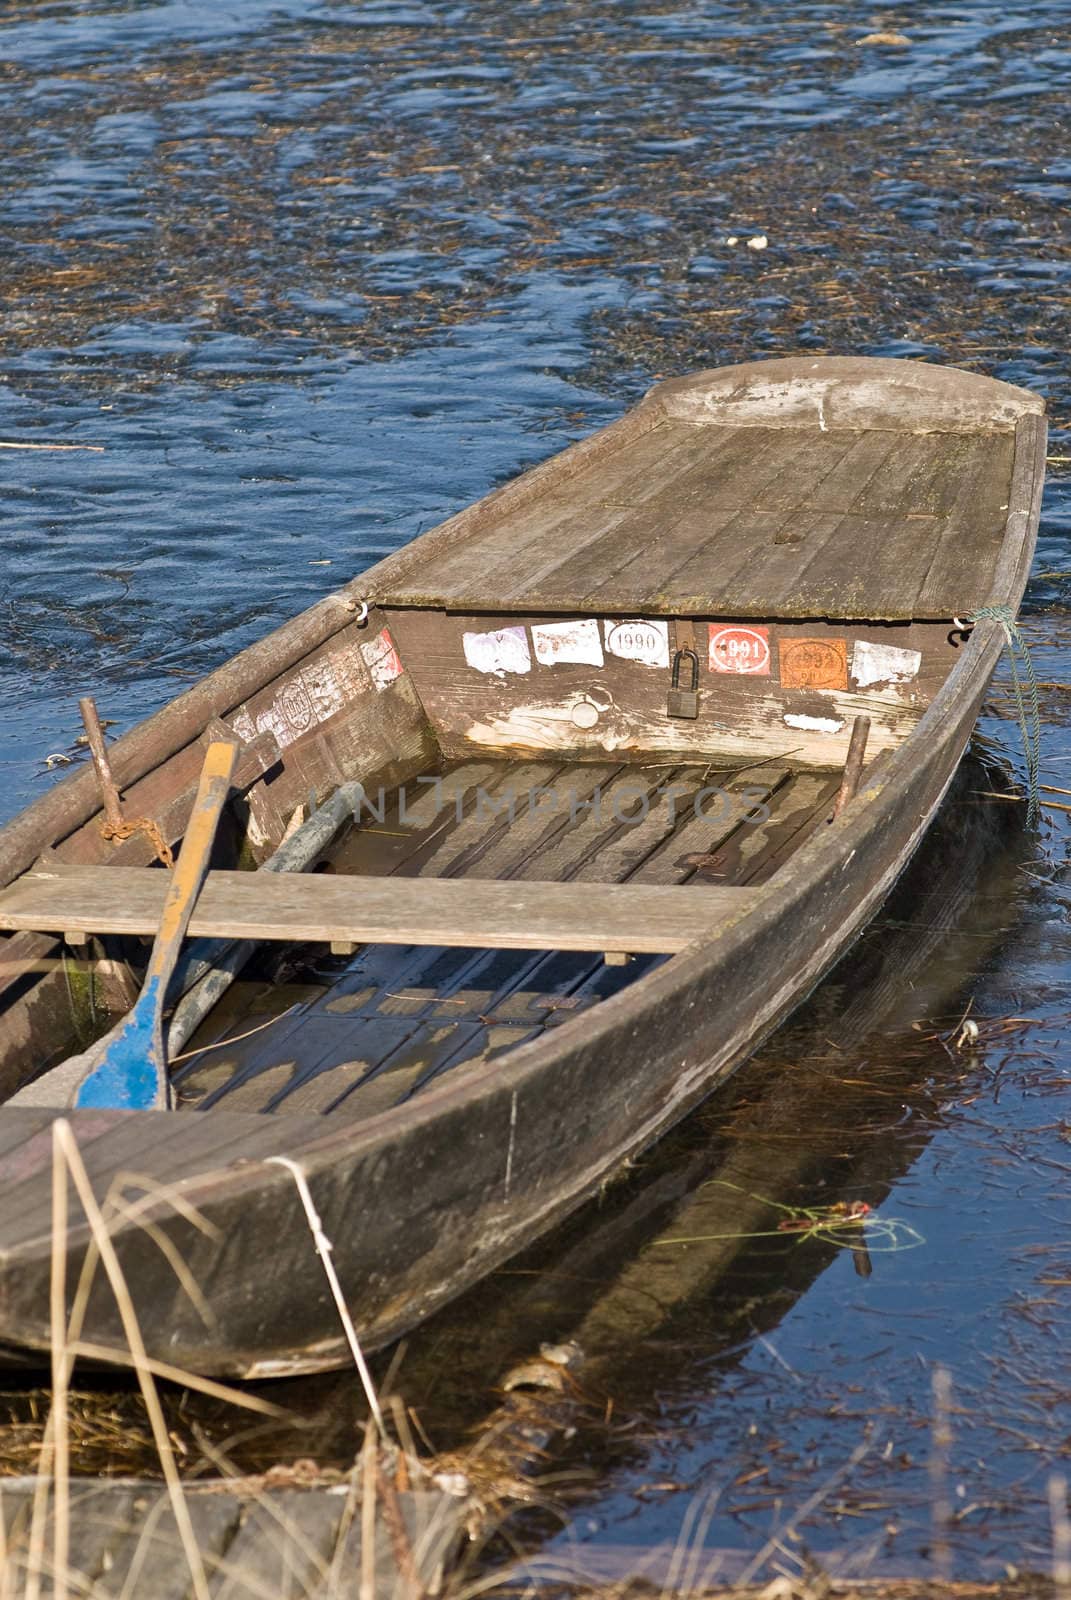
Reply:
x=773, y=1544
x=324, y=1247
x=61, y=1372
x=65, y=1349
x=132, y=1332
x=369, y=1468
x=188, y=1380
x=1061, y=1537
x=5, y=1568
x=401, y=1549
x=54, y=1438
x=349, y=1512
x=115, y=1203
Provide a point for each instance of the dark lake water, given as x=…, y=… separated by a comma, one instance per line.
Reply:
x=310, y=276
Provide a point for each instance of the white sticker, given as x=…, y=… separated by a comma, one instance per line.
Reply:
x=323, y=689
x=642, y=640
x=382, y=660
x=505, y=650
x=883, y=663
x=576, y=642
x=812, y=724
x=294, y=709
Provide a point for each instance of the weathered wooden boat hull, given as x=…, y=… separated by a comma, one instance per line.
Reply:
x=423, y=1199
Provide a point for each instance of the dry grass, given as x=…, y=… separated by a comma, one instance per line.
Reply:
x=40, y=1532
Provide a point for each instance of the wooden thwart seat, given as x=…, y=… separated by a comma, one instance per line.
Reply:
x=482, y=914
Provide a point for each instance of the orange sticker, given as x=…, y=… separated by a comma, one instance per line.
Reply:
x=814, y=663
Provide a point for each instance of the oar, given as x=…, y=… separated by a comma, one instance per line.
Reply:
x=127, y=1069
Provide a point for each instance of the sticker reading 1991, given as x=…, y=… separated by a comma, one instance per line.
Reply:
x=739, y=649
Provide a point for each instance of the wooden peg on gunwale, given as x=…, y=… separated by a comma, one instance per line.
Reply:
x=109, y=794
x=853, y=766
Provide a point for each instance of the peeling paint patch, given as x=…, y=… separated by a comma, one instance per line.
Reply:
x=575, y=642
x=504, y=650
x=883, y=663
x=382, y=660
x=795, y=719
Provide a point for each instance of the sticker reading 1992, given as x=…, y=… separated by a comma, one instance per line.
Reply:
x=739, y=649
x=814, y=663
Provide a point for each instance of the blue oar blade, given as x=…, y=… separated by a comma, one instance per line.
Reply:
x=131, y=1077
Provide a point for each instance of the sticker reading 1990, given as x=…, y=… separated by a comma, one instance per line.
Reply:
x=642, y=640
x=739, y=649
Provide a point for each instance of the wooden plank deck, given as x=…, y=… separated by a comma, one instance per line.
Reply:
x=472, y=913
x=758, y=521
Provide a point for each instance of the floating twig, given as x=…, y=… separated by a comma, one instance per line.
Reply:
x=17, y=444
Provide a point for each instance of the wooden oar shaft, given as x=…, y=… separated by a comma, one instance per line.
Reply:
x=189, y=871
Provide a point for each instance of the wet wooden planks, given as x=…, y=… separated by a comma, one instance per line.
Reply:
x=398, y=1018
x=254, y=1540
x=745, y=521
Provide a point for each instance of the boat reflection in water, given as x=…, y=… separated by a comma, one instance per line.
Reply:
x=664, y=1292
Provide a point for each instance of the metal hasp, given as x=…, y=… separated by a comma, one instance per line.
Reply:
x=684, y=702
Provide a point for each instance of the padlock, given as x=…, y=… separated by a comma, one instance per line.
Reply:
x=684, y=702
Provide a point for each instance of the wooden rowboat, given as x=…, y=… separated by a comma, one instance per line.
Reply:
x=590, y=735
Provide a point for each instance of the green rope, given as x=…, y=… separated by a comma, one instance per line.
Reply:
x=1026, y=700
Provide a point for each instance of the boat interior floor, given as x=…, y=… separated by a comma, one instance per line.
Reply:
x=362, y=1033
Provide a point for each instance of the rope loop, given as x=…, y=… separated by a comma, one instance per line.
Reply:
x=1026, y=699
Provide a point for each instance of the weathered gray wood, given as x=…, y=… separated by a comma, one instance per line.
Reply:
x=254, y=1540
x=153, y=741
x=149, y=1558
x=588, y=515
x=768, y=496
x=834, y=392
x=158, y=1145
x=978, y=511
x=618, y=712
x=500, y=1150
x=99, y=1513
x=754, y=852
x=497, y=805
x=283, y=1546
x=540, y=825
x=812, y=439
x=247, y=905
x=649, y=529
x=715, y=813
x=620, y=804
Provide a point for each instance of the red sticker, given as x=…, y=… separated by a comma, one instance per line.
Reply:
x=739, y=649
